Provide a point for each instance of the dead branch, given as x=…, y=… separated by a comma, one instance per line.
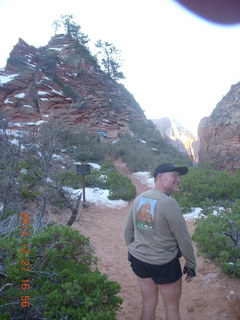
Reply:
x=6, y=285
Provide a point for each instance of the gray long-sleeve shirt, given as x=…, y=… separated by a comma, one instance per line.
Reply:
x=155, y=228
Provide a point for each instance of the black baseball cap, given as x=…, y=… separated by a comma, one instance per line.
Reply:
x=168, y=167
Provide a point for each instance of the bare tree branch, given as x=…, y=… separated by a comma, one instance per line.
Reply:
x=6, y=285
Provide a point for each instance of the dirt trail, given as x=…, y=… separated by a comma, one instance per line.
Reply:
x=211, y=295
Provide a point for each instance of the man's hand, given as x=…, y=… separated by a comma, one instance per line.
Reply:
x=190, y=273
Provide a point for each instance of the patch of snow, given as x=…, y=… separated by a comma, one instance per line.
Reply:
x=58, y=92
x=145, y=178
x=56, y=49
x=232, y=292
x=8, y=101
x=14, y=133
x=17, y=143
x=42, y=93
x=16, y=124
x=95, y=165
x=27, y=106
x=40, y=122
x=7, y=78
x=98, y=196
x=106, y=121
x=31, y=65
x=217, y=210
x=57, y=157
x=20, y=95
x=19, y=124
x=192, y=215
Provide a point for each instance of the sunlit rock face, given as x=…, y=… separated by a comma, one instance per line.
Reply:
x=179, y=137
x=219, y=134
x=62, y=81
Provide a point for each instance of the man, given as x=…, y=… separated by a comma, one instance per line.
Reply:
x=156, y=236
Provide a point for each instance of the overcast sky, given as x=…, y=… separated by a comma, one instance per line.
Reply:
x=175, y=64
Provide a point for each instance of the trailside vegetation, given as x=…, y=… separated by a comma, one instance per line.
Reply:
x=53, y=275
x=107, y=177
x=217, y=232
x=218, y=238
x=206, y=188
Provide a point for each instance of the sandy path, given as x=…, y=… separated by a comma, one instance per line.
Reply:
x=211, y=295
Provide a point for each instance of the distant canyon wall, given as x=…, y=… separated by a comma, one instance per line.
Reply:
x=181, y=138
x=219, y=134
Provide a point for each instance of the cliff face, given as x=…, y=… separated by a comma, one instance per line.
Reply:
x=62, y=81
x=182, y=139
x=219, y=134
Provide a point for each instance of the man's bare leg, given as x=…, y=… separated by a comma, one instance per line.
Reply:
x=149, y=291
x=171, y=294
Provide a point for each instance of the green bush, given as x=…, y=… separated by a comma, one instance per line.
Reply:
x=204, y=186
x=98, y=178
x=218, y=238
x=70, y=180
x=63, y=278
x=119, y=186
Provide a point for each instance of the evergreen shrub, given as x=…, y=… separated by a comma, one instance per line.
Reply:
x=119, y=186
x=218, y=238
x=204, y=187
x=71, y=180
x=62, y=282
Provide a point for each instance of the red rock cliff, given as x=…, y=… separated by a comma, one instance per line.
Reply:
x=219, y=134
x=63, y=81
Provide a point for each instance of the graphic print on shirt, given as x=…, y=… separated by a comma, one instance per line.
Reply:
x=145, y=213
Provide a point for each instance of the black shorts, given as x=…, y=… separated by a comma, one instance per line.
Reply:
x=161, y=274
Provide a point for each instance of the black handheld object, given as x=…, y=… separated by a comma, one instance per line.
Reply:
x=190, y=272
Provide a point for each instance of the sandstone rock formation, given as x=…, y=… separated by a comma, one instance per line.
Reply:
x=219, y=134
x=181, y=138
x=62, y=81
